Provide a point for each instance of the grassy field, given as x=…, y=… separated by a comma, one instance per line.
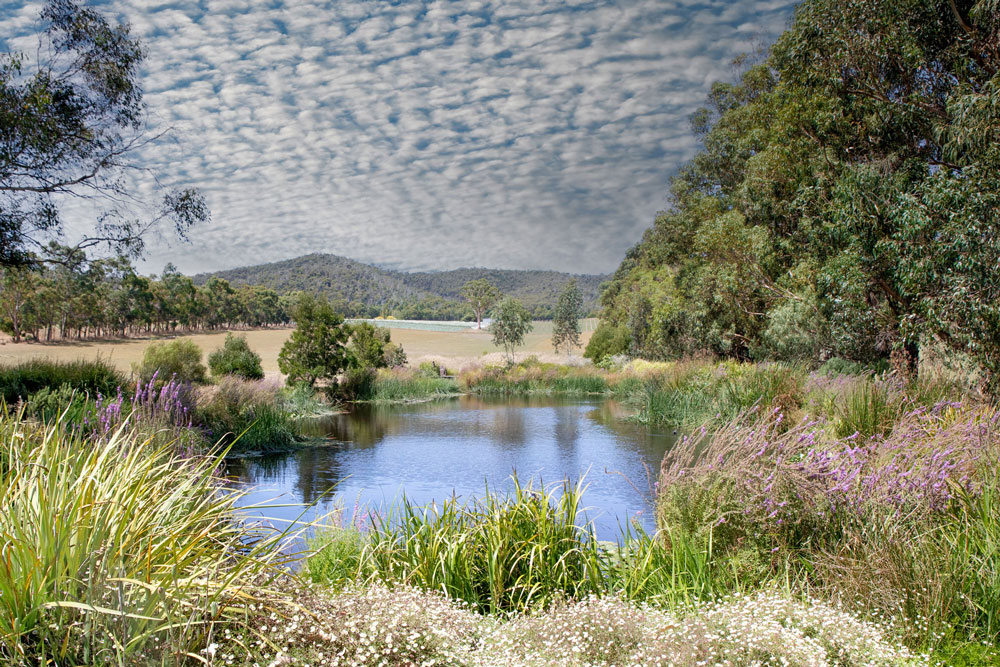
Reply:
x=452, y=349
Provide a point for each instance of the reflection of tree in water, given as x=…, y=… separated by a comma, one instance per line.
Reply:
x=250, y=471
x=318, y=471
x=509, y=427
x=567, y=428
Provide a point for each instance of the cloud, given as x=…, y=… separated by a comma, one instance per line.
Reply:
x=427, y=135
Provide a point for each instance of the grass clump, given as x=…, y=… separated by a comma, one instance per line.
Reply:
x=401, y=384
x=20, y=381
x=902, y=523
x=249, y=414
x=500, y=554
x=117, y=551
x=534, y=377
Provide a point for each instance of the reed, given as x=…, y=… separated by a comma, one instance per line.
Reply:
x=116, y=550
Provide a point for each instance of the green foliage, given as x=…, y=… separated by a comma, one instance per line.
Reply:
x=510, y=323
x=367, y=346
x=336, y=556
x=179, y=359
x=839, y=207
x=532, y=377
x=481, y=295
x=407, y=385
x=566, y=319
x=867, y=409
x=501, y=554
x=48, y=405
x=19, y=382
x=116, y=551
x=394, y=355
x=358, y=384
x=608, y=341
x=236, y=358
x=316, y=349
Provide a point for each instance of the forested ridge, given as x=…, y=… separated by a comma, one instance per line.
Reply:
x=844, y=203
x=363, y=289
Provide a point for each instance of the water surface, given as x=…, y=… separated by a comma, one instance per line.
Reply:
x=374, y=454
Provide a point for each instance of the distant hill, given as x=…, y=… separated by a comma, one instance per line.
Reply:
x=348, y=281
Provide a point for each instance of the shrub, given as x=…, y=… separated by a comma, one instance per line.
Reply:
x=86, y=377
x=236, y=358
x=608, y=341
x=178, y=360
x=358, y=384
x=48, y=404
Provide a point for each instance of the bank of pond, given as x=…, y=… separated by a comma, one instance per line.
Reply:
x=801, y=517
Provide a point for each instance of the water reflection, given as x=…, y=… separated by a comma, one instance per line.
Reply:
x=375, y=453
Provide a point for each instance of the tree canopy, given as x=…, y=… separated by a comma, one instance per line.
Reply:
x=511, y=321
x=481, y=295
x=566, y=319
x=316, y=350
x=844, y=201
x=69, y=124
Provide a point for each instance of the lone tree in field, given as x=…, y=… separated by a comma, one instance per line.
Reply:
x=69, y=123
x=481, y=295
x=316, y=349
x=511, y=322
x=566, y=321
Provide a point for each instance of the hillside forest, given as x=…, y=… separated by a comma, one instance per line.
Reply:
x=844, y=203
x=69, y=296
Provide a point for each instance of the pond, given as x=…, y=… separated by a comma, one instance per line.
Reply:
x=368, y=458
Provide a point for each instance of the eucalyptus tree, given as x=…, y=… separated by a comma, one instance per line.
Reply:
x=566, y=319
x=481, y=295
x=844, y=198
x=511, y=321
x=71, y=122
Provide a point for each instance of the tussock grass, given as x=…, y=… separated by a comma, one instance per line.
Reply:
x=500, y=554
x=247, y=414
x=116, y=551
x=19, y=381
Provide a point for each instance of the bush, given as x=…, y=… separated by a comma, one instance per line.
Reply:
x=87, y=377
x=179, y=359
x=358, y=384
x=236, y=358
x=608, y=341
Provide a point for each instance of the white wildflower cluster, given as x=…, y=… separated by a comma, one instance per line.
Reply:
x=594, y=631
x=771, y=629
x=373, y=626
x=406, y=626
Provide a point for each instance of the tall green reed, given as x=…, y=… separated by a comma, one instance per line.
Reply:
x=117, y=551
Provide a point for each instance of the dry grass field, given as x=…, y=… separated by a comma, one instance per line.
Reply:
x=452, y=349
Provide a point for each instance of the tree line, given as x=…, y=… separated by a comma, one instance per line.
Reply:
x=74, y=298
x=845, y=201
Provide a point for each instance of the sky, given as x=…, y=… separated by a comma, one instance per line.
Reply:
x=525, y=134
